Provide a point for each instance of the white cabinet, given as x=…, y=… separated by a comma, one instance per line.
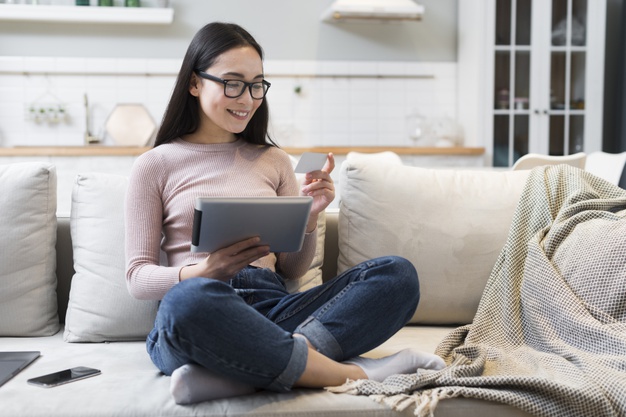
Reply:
x=531, y=76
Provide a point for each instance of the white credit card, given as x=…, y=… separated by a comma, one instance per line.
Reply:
x=310, y=161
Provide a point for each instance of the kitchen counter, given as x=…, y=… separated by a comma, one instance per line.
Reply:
x=98, y=150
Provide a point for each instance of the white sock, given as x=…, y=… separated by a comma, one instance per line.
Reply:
x=404, y=362
x=192, y=383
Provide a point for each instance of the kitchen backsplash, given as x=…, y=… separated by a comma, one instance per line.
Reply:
x=312, y=103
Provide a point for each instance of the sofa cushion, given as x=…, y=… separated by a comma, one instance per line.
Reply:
x=451, y=224
x=131, y=386
x=313, y=277
x=384, y=156
x=100, y=307
x=608, y=166
x=28, y=303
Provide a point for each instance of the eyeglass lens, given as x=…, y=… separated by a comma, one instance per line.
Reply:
x=234, y=89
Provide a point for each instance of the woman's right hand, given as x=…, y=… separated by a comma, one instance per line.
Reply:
x=225, y=263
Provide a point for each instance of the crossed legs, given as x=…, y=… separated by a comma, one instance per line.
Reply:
x=206, y=332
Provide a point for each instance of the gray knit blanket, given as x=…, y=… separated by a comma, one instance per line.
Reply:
x=549, y=335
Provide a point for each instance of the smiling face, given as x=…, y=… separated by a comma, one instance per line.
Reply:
x=222, y=117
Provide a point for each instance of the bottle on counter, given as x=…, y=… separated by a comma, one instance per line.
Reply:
x=82, y=2
x=132, y=3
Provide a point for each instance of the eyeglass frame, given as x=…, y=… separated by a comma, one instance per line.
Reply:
x=245, y=84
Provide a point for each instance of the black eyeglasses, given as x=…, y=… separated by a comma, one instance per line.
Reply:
x=235, y=88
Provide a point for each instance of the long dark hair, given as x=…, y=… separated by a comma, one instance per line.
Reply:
x=182, y=113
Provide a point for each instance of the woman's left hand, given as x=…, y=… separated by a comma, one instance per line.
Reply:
x=319, y=185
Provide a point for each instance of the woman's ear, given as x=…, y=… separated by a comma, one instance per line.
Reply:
x=193, y=85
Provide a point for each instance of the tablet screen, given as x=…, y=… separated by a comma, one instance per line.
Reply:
x=280, y=222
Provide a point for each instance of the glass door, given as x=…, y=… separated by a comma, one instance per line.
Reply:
x=568, y=54
x=511, y=114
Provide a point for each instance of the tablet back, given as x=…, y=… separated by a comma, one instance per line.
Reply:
x=222, y=221
x=11, y=363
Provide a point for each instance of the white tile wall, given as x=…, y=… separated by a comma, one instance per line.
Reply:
x=68, y=167
x=326, y=103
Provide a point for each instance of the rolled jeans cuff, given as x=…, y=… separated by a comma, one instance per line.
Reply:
x=321, y=338
x=294, y=369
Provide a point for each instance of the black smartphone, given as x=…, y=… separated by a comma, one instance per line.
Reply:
x=63, y=377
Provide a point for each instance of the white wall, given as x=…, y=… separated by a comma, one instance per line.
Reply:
x=411, y=68
x=312, y=103
x=287, y=30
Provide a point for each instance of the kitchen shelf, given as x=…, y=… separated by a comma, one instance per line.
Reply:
x=86, y=14
x=400, y=150
x=99, y=150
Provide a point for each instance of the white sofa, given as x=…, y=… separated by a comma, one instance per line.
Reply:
x=62, y=289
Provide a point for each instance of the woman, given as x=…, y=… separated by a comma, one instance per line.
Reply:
x=226, y=325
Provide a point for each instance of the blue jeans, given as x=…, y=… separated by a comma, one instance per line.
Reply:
x=243, y=329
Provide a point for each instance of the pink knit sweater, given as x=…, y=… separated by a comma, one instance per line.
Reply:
x=162, y=189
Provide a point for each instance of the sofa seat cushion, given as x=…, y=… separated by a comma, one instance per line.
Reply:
x=28, y=302
x=130, y=385
x=451, y=224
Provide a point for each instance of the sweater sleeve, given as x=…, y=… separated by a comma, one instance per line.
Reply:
x=145, y=277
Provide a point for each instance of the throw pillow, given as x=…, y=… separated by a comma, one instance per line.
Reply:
x=28, y=302
x=375, y=157
x=451, y=224
x=100, y=307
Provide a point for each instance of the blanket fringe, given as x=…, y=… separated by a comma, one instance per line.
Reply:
x=349, y=387
x=396, y=402
x=426, y=402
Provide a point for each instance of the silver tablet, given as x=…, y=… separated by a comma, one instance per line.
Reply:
x=280, y=222
x=12, y=363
